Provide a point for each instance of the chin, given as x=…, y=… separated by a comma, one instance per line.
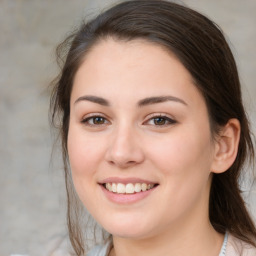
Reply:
x=129, y=234
x=128, y=229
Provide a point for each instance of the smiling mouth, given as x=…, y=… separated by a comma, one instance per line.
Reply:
x=130, y=188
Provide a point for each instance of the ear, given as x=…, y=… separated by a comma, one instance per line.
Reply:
x=226, y=146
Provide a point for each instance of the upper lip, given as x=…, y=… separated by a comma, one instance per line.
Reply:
x=126, y=180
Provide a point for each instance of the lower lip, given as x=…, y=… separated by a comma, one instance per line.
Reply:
x=126, y=198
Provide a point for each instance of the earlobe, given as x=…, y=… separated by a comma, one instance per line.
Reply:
x=226, y=146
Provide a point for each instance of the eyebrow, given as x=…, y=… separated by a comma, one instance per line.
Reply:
x=141, y=103
x=160, y=99
x=93, y=99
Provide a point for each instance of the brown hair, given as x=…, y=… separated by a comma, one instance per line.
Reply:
x=200, y=45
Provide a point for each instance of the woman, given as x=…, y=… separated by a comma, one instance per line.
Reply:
x=155, y=133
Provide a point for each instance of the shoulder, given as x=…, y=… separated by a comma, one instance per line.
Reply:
x=237, y=247
x=100, y=250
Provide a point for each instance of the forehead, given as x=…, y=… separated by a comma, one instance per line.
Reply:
x=112, y=68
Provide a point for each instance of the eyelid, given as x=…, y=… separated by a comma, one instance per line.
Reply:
x=162, y=115
x=85, y=118
x=93, y=114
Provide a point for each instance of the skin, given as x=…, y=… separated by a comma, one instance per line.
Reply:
x=127, y=142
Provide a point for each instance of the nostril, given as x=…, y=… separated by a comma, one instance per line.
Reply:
x=122, y=164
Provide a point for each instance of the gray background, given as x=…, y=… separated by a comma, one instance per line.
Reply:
x=32, y=196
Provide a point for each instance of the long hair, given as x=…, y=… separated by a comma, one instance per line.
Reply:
x=201, y=47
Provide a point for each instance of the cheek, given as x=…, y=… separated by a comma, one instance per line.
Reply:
x=184, y=158
x=84, y=158
x=183, y=162
x=83, y=153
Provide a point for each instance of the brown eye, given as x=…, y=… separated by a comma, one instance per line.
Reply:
x=95, y=121
x=98, y=120
x=160, y=121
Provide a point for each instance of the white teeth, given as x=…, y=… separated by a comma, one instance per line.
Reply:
x=144, y=186
x=137, y=187
x=109, y=187
x=129, y=188
x=120, y=188
x=114, y=187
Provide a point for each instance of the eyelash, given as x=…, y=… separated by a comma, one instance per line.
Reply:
x=167, y=120
x=92, y=117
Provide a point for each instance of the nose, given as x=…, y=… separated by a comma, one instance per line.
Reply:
x=125, y=149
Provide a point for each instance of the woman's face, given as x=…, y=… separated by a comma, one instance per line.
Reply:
x=139, y=127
